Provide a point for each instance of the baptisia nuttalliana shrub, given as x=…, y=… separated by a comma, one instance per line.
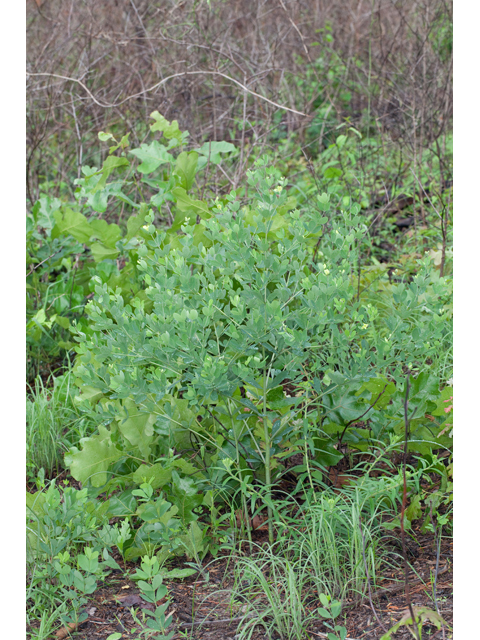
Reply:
x=236, y=312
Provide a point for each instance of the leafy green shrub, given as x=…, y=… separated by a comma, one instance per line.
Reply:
x=239, y=334
x=69, y=242
x=359, y=169
x=231, y=311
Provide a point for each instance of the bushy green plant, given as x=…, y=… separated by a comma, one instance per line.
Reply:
x=230, y=311
x=216, y=348
x=63, y=552
x=68, y=242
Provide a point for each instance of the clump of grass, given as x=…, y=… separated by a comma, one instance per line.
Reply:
x=339, y=544
x=332, y=548
x=53, y=425
x=272, y=586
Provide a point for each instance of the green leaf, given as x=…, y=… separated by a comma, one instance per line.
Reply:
x=159, y=511
x=324, y=201
x=134, y=223
x=186, y=168
x=152, y=156
x=188, y=206
x=123, y=505
x=444, y=401
x=423, y=441
x=110, y=562
x=395, y=524
x=290, y=203
x=93, y=461
x=89, y=393
x=212, y=150
x=62, y=321
x=39, y=318
x=101, y=252
x=414, y=509
x=99, y=200
x=137, y=427
x=332, y=172
x=175, y=574
x=188, y=486
x=169, y=129
x=335, y=609
x=185, y=466
x=44, y=212
x=325, y=452
x=110, y=164
x=156, y=474
x=105, y=137
x=424, y=383
x=109, y=234
x=72, y=223
x=344, y=405
x=377, y=386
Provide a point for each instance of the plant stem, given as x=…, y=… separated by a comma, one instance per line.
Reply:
x=402, y=515
x=267, y=454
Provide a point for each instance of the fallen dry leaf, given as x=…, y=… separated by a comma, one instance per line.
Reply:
x=257, y=522
x=339, y=479
x=134, y=600
x=66, y=631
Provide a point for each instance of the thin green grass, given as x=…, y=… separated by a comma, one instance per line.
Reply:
x=48, y=621
x=332, y=548
x=54, y=424
x=274, y=594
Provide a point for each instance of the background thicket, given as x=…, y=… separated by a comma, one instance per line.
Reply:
x=385, y=66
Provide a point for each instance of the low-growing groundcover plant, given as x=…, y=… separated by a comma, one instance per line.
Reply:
x=69, y=550
x=63, y=553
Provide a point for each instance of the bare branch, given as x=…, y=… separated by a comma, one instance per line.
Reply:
x=162, y=82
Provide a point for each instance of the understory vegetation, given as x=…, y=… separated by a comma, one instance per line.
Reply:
x=239, y=333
